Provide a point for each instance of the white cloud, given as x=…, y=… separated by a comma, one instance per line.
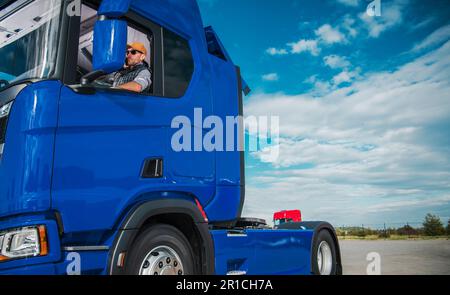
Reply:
x=270, y=77
x=325, y=35
x=321, y=87
x=275, y=51
x=436, y=38
x=423, y=23
x=311, y=79
x=343, y=77
x=304, y=46
x=379, y=147
x=336, y=62
x=391, y=15
x=398, y=205
x=348, y=28
x=348, y=25
x=396, y=96
x=330, y=35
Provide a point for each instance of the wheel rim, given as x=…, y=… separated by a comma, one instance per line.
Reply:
x=324, y=258
x=162, y=260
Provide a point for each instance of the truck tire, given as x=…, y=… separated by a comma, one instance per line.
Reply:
x=324, y=254
x=160, y=250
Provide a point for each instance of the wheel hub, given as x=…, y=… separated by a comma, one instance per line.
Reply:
x=162, y=260
x=324, y=258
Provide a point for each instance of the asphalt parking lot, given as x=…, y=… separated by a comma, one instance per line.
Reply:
x=428, y=257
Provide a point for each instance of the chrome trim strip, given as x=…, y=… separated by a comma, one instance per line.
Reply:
x=86, y=248
x=237, y=273
x=236, y=235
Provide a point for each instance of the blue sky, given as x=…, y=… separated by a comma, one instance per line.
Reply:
x=364, y=105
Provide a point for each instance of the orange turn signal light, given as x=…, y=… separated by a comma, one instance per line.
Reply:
x=43, y=240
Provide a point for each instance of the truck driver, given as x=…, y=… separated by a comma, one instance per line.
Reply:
x=136, y=74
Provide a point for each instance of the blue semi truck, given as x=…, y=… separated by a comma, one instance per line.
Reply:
x=89, y=181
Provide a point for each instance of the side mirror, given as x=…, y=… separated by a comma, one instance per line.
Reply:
x=110, y=44
x=114, y=8
x=110, y=39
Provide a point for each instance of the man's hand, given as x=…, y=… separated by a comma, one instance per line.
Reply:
x=131, y=86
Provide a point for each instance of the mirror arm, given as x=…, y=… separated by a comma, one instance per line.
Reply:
x=91, y=77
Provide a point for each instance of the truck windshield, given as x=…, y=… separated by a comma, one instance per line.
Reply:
x=29, y=31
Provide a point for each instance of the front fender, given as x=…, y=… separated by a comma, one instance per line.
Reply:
x=137, y=217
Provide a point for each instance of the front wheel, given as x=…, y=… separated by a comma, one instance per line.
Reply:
x=160, y=250
x=324, y=254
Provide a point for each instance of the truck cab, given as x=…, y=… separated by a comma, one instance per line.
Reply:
x=89, y=180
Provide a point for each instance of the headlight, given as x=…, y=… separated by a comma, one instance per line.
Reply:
x=23, y=242
x=4, y=110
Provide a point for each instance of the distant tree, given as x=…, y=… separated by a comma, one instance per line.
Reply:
x=340, y=232
x=392, y=231
x=433, y=226
x=357, y=231
x=448, y=228
x=420, y=231
x=407, y=230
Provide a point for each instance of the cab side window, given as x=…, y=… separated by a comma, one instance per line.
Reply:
x=178, y=64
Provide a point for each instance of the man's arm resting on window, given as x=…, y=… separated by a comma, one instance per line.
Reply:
x=142, y=81
x=131, y=86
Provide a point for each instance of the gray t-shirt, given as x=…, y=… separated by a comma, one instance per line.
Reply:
x=144, y=78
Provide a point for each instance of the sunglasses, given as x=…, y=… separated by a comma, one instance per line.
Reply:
x=133, y=52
